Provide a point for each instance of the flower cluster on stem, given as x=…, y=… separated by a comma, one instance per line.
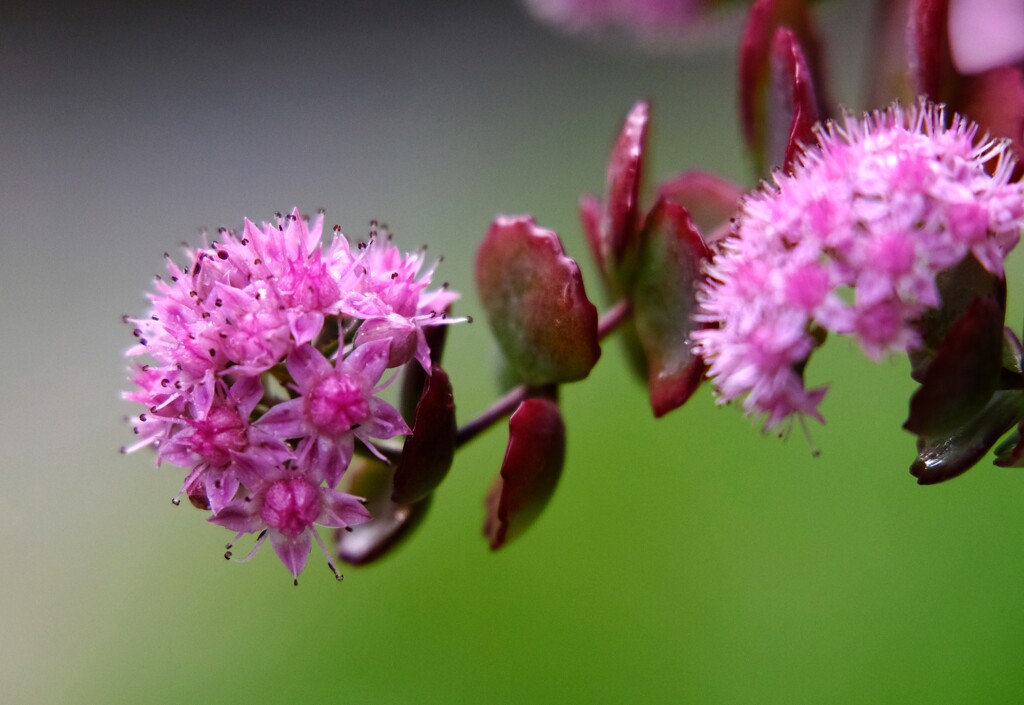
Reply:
x=265, y=356
x=851, y=242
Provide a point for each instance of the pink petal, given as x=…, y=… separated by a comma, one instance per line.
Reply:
x=246, y=394
x=305, y=326
x=285, y=420
x=306, y=365
x=239, y=515
x=341, y=510
x=293, y=552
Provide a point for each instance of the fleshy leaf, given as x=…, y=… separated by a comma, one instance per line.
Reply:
x=792, y=109
x=710, y=200
x=756, y=47
x=620, y=221
x=414, y=377
x=535, y=303
x=529, y=473
x=430, y=448
x=964, y=374
x=664, y=299
x=391, y=522
x=945, y=456
x=590, y=219
x=958, y=287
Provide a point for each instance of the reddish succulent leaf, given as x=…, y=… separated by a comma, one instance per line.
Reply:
x=958, y=287
x=945, y=456
x=415, y=377
x=928, y=47
x=430, y=448
x=792, y=108
x=590, y=219
x=391, y=522
x=529, y=473
x=1013, y=352
x=710, y=200
x=664, y=299
x=535, y=303
x=765, y=18
x=620, y=221
x=964, y=373
x=1010, y=453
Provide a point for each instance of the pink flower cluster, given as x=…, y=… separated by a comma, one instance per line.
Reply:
x=851, y=243
x=266, y=355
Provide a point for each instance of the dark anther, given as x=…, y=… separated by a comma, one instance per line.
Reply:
x=213, y=352
x=222, y=254
x=227, y=555
x=176, y=501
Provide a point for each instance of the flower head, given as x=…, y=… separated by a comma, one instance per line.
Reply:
x=265, y=357
x=285, y=506
x=852, y=243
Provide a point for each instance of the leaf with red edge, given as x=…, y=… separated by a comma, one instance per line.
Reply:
x=415, y=377
x=792, y=105
x=430, y=448
x=664, y=299
x=964, y=374
x=590, y=219
x=756, y=48
x=946, y=456
x=710, y=200
x=620, y=221
x=529, y=473
x=535, y=303
x=958, y=287
x=391, y=522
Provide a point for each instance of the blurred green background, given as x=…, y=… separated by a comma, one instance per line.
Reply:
x=690, y=559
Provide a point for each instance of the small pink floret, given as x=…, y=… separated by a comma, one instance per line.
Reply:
x=291, y=506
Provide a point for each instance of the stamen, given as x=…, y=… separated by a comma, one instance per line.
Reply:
x=327, y=555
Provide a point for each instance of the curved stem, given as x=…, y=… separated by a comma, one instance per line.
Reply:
x=608, y=323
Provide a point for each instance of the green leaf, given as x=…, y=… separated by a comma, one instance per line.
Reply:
x=535, y=303
x=664, y=299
